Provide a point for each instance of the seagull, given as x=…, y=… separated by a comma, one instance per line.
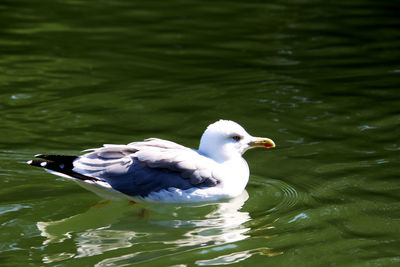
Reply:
x=157, y=170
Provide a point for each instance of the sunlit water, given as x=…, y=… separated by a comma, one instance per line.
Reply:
x=319, y=78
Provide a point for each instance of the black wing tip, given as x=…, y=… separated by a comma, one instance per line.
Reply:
x=36, y=163
x=60, y=164
x=53, y=161
x=56, y=157
x=50, y=160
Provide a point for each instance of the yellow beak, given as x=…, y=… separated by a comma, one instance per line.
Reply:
x=262, y=142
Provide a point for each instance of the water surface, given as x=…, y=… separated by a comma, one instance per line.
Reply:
x=319, y=78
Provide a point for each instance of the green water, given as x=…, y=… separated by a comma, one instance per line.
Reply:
x=320, y=78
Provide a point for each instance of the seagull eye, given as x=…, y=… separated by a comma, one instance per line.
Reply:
x=236, y=138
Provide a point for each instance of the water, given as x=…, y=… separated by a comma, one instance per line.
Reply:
x=319, y=78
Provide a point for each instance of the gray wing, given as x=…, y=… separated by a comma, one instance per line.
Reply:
x=140, y=168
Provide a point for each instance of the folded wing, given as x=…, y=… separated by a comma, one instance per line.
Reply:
x=140, y=168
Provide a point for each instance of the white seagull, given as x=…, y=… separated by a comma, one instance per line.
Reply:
x=158, y=170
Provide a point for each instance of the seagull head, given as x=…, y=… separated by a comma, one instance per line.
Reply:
x=224, y=140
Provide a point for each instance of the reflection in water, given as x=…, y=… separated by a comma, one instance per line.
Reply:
x=102, y=228
x=58, y=231
x=238, y=256
x=221, y=226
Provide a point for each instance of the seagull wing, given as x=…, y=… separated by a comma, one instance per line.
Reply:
x=140, y=168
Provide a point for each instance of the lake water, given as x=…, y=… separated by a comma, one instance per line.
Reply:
x=320, y=78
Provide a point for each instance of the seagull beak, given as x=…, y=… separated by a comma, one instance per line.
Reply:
x=262, y=142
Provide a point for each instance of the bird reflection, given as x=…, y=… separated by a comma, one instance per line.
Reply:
x=116, y=225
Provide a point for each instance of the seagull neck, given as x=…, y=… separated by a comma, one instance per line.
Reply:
x=236, y=175
x=217, y=150
x=221, y=157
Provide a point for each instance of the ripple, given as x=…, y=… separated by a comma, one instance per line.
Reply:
x=12, y=208
x=278, y=194
x=237, y=256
